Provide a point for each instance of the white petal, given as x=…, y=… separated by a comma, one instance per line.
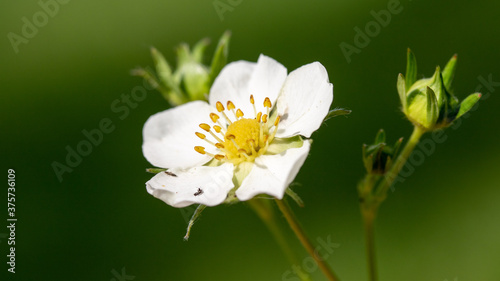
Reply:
x=199, y=185
x=169, y=136
x=238, y=80
x=304, y=101
x=272, y=174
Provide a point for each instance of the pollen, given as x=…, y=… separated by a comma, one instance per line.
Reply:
x=238, y=139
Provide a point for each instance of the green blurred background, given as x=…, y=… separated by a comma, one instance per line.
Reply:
x=443, y=223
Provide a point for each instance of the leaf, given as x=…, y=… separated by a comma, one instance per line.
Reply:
x=449, y=71
x=411, y=69
x=195, y=216
x=199, y=49
x=468, y=103
x=220, y=56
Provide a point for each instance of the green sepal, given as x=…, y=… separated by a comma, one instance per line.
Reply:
x=449, y=72
x=155, y=170
x=195, y=216
x=468, y=103
x=411, y=69
x=199, y=50
x=164, y=72
x=220, y=56
x=432, y=108
x=402, y=90
x=337, y=112
x=294, y=196
x=380, y=137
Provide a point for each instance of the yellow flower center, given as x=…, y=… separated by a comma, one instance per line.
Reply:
x=244, y=139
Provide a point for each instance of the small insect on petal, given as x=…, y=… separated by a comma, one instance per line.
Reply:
x=170, y=174
x=198, y=192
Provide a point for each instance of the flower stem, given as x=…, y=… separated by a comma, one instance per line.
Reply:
x=369, y=220
x=265, y=211
x=299, y=232
x=400, y=162
x=371, y=198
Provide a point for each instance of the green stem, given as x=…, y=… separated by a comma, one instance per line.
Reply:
x=266, y=213
x=400, y=162
x=369, y=220
x=372, y=198
x=301, y=235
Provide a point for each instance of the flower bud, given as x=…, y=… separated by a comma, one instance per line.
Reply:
x=428, y=103
x=378, y=156
x=192, y=79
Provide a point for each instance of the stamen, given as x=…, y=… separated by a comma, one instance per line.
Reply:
x=219, y=145
x=264, y=118
x=214, y=117
x=267, y=103
x=200, y=135
x=217, y=128
x=200, y=149
x=259, y=115
x=244, y=152
x=230, y=105
x=251, y=142
x=252, y=101
x=276, y=122
x=219, y=106
x=239, y=113
x=219, y=156
x=205, y=127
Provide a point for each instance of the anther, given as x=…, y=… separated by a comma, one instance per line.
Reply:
x=200, y=135
x=252, y=101
x=277, y=121
x=267, y=103
x=239, y=113
x=259, y=115
x=200, y=149
x=264, y=118
x=230, y=105
x=214, y=117
x=217, y=128
x=230, y=137
x=219, y=145
x=219, y=156
x=205, y=127
x=219, y=106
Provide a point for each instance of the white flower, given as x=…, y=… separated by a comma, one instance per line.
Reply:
x=238, y=145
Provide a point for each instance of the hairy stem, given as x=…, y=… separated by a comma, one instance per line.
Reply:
x=301, y=235
x=265, y=211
